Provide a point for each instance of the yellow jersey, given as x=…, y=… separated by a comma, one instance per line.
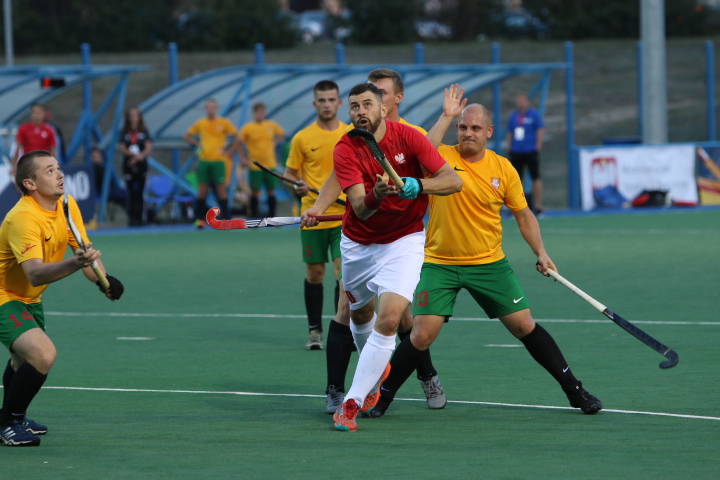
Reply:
x=311, y=152
x=213, y=136
x=29, y=231
x=259, y=137
x=465, y=228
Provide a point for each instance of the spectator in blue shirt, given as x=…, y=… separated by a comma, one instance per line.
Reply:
x=525, y=132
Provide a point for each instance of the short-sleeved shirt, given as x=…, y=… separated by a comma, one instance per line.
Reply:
x=408, y=151
x=523, y=130
x=29, y=231
x=213, y=136
x=311, y=152
x=465, y=228
x=36, y=137
x=259, y=137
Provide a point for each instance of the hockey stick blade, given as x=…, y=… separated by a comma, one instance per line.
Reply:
x=78, y=238
x=241, y=224
x=291, y=182
x=672, y=357
x=369, y=139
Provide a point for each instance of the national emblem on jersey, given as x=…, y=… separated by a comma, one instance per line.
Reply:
x=400, y=158
x=494, y=183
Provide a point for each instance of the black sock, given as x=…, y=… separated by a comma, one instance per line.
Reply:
x=224, y=211
x=26, y=383
x=404, y=361
x=200, y=209
x=272, y=202
x=7, y=379
x=337, y=294
x=339, y=348
x=425, y=369
x=254, y=207
x=314, y=304
x=545, y=351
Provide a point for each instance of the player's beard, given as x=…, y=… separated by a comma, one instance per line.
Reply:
x=370, y=126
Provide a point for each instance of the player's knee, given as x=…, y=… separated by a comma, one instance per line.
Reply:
x=422, y=338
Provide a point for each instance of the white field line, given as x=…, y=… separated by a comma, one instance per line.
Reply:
x=269, y=315
x=459, y=402
x=629, y=231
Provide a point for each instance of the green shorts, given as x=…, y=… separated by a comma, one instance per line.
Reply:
x=17, y=318
x=317, y=243
x=258, y=178
x=211, y=171
x=493, y=286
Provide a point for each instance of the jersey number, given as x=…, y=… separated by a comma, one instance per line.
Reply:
x=308, y=251
x=421, y=299
x=25, y=316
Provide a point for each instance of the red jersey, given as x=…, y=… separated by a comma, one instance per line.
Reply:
x=36, y=137
x=407, y=150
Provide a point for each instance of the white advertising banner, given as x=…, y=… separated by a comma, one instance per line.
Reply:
x=626, y=171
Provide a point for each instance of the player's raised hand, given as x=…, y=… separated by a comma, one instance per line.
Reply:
x=453, y=101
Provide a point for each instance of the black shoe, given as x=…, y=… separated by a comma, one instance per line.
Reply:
x=581, y=398
x=378, y=411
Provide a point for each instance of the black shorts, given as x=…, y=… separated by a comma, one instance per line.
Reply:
x=529, y=159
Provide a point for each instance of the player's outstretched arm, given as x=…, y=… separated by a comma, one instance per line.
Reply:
x=445, y=182
x=41, y=273
x=329, y=192
x=530, y=230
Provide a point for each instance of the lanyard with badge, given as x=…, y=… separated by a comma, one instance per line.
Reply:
x=519, y=132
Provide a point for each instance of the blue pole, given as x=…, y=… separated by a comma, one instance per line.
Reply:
x=497, y=114
x=339, y=53
x=173, y=76
x=419, y=53
x=640, y=90
x=87, y=102
x=710, y=62
x=573, y=170
x=259, y=54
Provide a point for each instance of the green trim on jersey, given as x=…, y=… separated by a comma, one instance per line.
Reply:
x=494, y=287
x=17, y=318
x=316, y=243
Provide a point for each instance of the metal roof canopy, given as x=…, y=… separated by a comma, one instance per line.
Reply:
x=286, y=89
x=20, y=88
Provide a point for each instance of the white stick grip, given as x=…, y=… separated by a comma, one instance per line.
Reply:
x=575, y=289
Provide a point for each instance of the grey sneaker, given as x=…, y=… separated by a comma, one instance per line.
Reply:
x=315, y=341
x=334, y=399
x=434, y=392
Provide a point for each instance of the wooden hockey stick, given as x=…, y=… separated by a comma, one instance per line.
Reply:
x=76, y=233
x=369, y=139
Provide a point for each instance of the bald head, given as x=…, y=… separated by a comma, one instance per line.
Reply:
x=474, y=128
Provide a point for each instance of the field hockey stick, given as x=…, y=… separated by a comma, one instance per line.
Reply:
x=292, y=182
x=667, y=352
x=369, y=139
x=73, y=228
x=240, y=223
x=712, y=166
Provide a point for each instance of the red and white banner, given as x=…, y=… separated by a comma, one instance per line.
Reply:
x=627, y=171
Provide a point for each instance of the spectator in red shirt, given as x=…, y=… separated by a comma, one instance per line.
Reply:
x=34, y=135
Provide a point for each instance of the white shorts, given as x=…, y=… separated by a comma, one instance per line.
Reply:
x=371, y=270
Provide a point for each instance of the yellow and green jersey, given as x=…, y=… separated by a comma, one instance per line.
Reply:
x=259, y=138
x=29, y=231
x=311, y=153
x=213, y=135
x=465, y=228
